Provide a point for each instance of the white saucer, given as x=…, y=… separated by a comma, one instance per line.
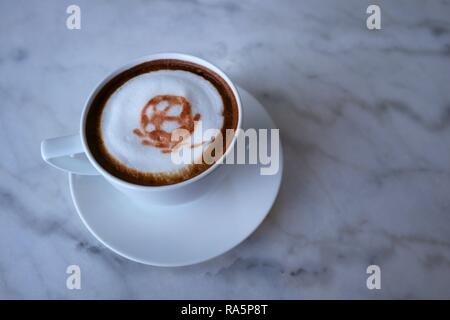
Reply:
x=183, y=234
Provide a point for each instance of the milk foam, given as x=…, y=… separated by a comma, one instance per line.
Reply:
x=122, y=113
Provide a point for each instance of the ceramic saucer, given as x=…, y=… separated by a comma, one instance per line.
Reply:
x=182, y=234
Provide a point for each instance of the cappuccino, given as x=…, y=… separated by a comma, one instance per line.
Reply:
x=130, y=122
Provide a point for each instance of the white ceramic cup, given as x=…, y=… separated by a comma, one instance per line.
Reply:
x=64, y=152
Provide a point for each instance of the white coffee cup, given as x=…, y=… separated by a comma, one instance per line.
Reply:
x=59, y=152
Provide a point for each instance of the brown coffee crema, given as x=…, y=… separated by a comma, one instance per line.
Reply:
x=156, y=138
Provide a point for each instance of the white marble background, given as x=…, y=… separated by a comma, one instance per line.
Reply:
x=364, y=117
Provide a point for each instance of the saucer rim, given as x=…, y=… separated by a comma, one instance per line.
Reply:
x=193, y=261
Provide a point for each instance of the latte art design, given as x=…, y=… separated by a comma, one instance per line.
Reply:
x=158, y=111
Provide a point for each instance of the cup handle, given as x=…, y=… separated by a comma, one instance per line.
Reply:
x=67, y=154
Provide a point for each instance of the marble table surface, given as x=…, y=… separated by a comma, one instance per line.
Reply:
x=364, y=118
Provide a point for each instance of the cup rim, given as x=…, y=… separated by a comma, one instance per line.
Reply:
x=143, y=59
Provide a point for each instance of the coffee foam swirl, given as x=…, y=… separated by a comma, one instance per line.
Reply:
x=139, y=116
